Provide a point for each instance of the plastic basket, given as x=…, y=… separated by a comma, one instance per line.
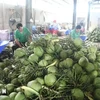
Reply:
x=83, y=37
x=3, y=44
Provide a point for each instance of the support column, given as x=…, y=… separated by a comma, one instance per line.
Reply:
x=74, y=13
x=88, y=17
x=28, y=13
x=34, y=12
x=3, y=15
x=34, y=16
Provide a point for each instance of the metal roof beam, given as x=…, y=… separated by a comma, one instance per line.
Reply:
x=47, y=1
x=65, y=1
x=59, y=3
x=62, y=3
x=51, y=2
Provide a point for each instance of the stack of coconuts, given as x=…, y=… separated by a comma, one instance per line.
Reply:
x=52, y=69
x=94, y=36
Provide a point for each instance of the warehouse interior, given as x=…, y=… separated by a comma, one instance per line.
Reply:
x=49, y=49
x=49, y=11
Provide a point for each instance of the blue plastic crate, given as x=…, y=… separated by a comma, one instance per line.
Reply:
x=83, y=37
x=3, y=44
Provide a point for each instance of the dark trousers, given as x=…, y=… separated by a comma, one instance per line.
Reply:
x=16, y=46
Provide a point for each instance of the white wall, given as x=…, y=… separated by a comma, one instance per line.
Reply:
x=94, y=16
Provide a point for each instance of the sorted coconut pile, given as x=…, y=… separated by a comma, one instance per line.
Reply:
x=52, y=69
x=94, y=36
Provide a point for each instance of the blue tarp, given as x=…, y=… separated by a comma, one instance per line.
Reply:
x=3, y=44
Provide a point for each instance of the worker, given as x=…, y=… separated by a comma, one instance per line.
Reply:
x=55, y=28
x=21, y=36
x=76, y=32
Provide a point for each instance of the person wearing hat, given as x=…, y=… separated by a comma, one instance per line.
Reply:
x=55, y=27
x=21, y=36
x=76, y=32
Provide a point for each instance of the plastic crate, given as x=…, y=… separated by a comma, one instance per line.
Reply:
x=83, y=37
x=3, y=44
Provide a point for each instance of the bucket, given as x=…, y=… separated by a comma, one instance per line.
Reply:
x=83, y=37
